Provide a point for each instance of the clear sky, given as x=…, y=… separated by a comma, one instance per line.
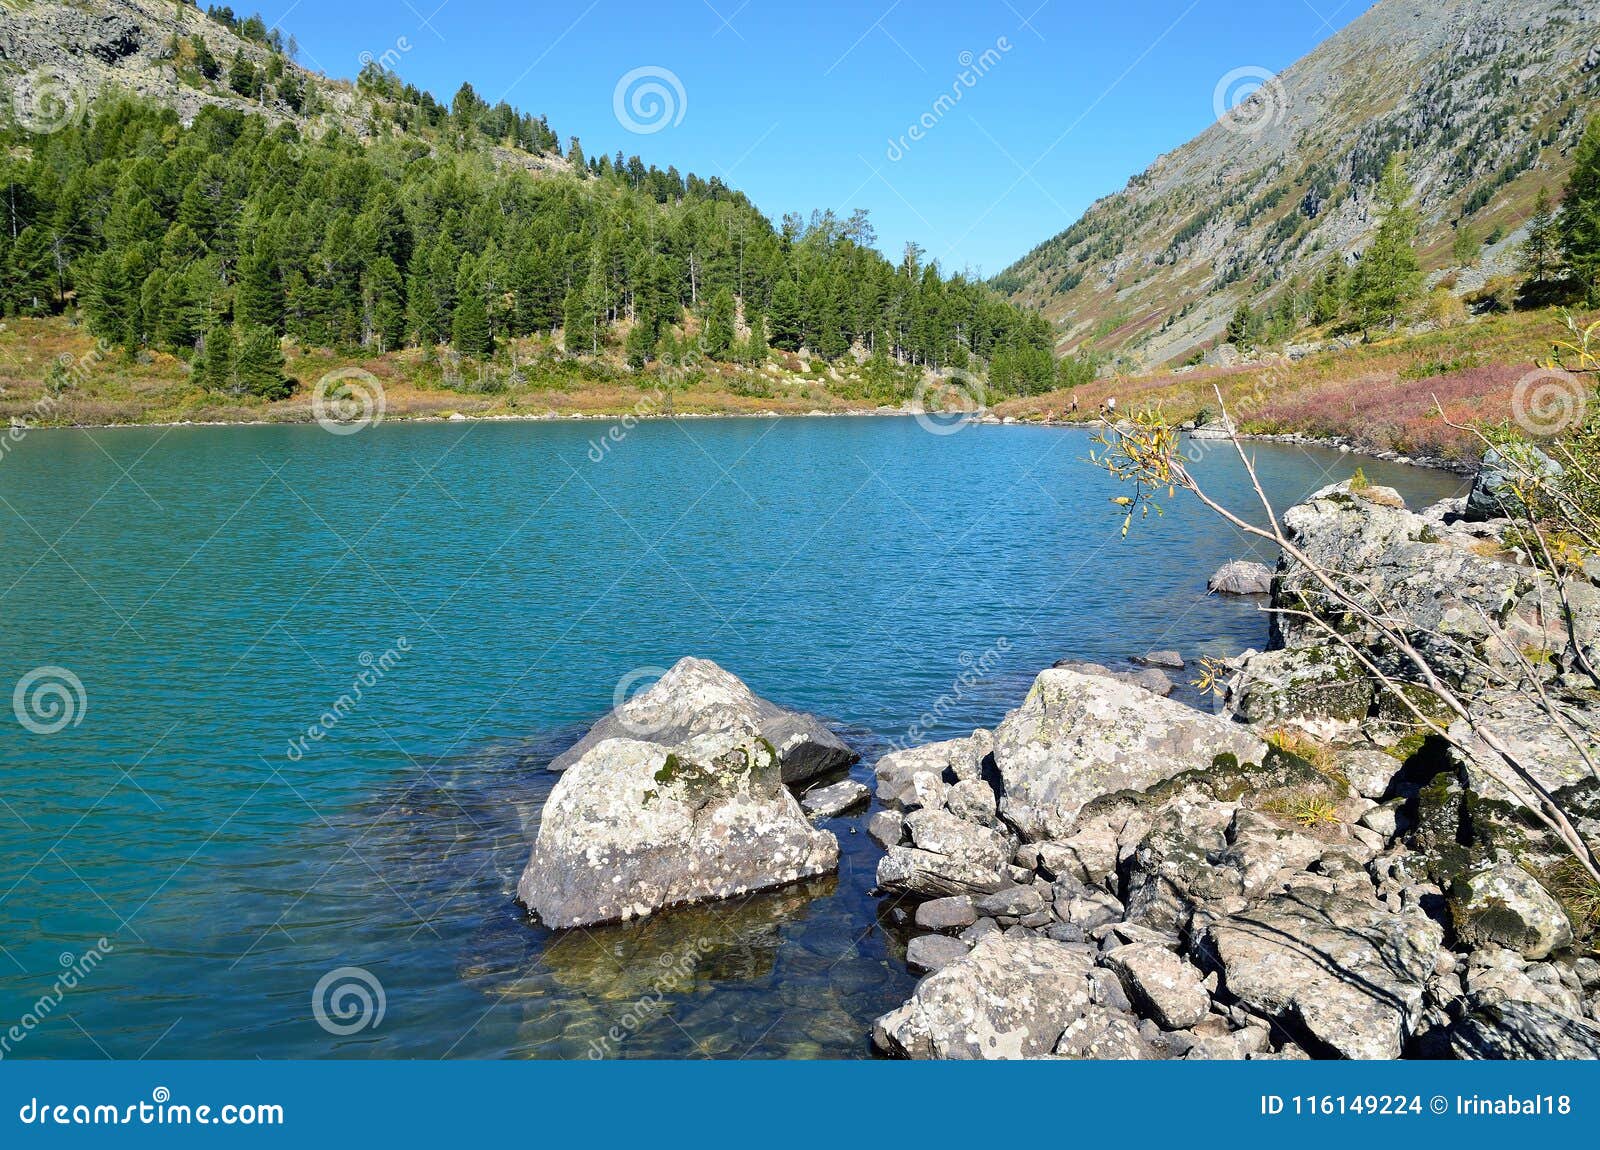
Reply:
x=810, y=105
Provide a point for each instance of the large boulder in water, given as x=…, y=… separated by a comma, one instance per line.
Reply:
x=1077, y=737
x=697, y=698
x=633, y=827
x=1241, y=577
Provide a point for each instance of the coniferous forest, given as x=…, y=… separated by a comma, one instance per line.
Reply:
x=215, y=240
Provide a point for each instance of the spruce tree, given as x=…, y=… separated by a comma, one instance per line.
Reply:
x=469, y=328
x=216, y=364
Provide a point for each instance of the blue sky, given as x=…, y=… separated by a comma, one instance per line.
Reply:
x=810, y=105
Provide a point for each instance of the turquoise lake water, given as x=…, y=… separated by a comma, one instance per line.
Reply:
x=215, y=591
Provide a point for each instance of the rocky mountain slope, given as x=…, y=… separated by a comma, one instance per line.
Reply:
x=1485, y=97
x=56, y=58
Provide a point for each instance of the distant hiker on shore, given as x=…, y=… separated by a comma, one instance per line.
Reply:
x=1074, y=404
x=1108, y=409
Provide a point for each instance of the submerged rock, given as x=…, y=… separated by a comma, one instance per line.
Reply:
x=697, y=699
x=930, y=952
x=1077, y=737
x=632, y=827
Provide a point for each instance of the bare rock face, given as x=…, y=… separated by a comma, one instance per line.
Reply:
x=1077, y=737
x=697, y=699
x=1345, y=972
x=633, y=827
x=1011, y=996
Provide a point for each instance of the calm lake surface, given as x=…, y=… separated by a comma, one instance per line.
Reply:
x=217, y=590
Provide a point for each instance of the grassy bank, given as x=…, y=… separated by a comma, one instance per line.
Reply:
x=95, y=386
x=1383, y=396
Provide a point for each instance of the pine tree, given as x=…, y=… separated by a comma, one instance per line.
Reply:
x=1388, y=279
x=469, y=328
x=1580, y=214
x=756, y=346
x=216, y=364
x=718, y=332
x=111, y=304
x=577, y=325
x=258, y=302
x=1242, y=327
x=1540, y=259
x=258, y=363
x=384, y=309
x=639, y=345
x=242, y=75
x=788, y=331
x=1327, y=303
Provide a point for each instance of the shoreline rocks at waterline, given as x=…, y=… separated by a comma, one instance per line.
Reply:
x=1138, y=879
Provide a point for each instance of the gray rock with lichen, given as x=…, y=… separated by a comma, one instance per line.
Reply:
x=632, y=827
x=1077, y=737
x=1011, y=996
x=1345, y=972
x=697, y=699
x=1503, y=905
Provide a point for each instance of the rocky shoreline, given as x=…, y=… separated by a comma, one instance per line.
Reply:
x=1306, y=872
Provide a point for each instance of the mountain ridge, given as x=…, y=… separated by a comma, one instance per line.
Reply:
x=1485, y=98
